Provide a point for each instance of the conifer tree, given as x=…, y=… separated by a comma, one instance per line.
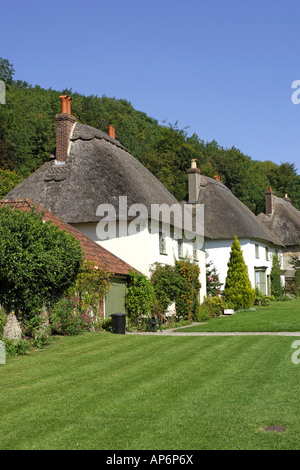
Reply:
x=276, y=287
x=238, y=289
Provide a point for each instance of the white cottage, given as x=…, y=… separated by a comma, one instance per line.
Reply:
x=226, y=216
x=94, y=184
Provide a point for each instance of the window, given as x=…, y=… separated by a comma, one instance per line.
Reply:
x=180, y=248
x=162, y=243
x=267, y=254
x=257, y=251
x=261, y=280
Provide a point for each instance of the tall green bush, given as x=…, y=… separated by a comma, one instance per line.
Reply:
x=38, y=261
x=140, y=297
x=238, y=289
x=187, y=301
x=276, y=287
x=166, y=281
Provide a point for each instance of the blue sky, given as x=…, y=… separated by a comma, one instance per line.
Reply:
x=222, y=67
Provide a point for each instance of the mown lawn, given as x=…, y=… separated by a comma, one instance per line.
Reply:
x=105, y=391
x=276, y=317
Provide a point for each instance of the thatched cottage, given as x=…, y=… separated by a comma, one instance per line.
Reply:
x=283, y=219
x=226, y=216
x=94, y=184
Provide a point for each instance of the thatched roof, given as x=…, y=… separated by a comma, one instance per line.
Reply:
x=284, y=221
x=226, y=216
x=92, y=252
x=98, y=170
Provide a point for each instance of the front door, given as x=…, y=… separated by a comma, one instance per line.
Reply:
x=261, y=280
x=115, y=299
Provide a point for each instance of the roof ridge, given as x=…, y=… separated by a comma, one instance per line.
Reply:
x=93, y=133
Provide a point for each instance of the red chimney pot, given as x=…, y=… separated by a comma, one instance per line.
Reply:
x=111, y=131
x=64, y=103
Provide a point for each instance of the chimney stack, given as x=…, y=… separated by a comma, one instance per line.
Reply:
x=64, y=126
x=111, y=132
x=194, y=175
x=269, y=202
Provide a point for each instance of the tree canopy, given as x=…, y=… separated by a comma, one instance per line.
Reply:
x=27, y=138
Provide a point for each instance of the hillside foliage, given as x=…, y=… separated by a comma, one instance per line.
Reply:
x=27, y=138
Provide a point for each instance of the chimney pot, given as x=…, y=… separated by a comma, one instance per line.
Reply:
x=111, y=131
x=64, y=104
x=69, y=99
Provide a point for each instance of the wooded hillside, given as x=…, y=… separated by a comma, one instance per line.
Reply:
x=27, y=138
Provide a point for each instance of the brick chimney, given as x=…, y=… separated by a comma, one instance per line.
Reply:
x=269, y=202
x=111, y=132
x=64, y=127
x=194, y=175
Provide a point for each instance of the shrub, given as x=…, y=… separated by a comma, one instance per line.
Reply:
x=238, y=289
x=187, y=301
x=166, y=282
x=276, y=287
x=38, y=261
x=3, y=319
x=213, y=284
x=204, y=313
x=260, y=298
x=66, y=320
x=140, y=297
x=214, y=306
x=106, y=324
x=37, y=330
x=16, y=348
x=297, y=278
x=88, y=291
x=291, y=288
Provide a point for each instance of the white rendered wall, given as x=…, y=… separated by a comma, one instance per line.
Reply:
x=219, y=253
x=142, y=249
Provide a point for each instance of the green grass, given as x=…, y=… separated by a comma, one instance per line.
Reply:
x=105, y=391
x=276, y=317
